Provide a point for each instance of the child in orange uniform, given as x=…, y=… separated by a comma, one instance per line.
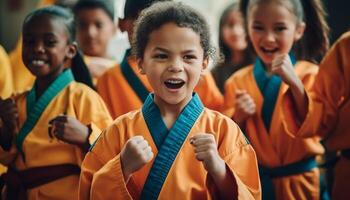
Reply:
x=172, y=148
x=47, y=131
x=329, y=111
x=288, y=169
x=124, y=89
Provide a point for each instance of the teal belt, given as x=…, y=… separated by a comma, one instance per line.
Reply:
x=267, y=174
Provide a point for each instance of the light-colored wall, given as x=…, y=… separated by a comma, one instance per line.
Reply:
x=11, y=22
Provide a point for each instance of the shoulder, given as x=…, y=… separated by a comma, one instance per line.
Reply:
x=345, y=38
x=304, y=68
x=223, y=126
x=112, y=73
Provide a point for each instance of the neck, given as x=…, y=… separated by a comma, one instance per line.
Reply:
x=237, y=57
x=170, y=112
x=42, y=83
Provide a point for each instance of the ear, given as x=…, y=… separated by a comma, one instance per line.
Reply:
x=299, y=32
x=205, y=65
x=140, y=64
x=72, y=50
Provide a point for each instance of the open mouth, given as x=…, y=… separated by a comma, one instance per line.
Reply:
x=38, y=62
x=174, y=83
x=269, y=51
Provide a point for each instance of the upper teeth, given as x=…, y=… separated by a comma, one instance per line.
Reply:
x=174, y=81
x=38, y=62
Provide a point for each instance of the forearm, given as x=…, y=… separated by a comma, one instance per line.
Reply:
x=6, y=136
x=300, y=99
x=225, y=183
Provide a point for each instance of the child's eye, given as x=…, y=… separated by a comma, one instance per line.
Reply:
x=189, y=57
x=280, y=29
x=28, y=41
x=50, y=43
x=160, y=56
x=258, y=28
x=99, y=25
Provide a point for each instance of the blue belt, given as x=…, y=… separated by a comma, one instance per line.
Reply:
x=267, y=174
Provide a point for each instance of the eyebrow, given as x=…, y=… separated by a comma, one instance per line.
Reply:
x=167, y=51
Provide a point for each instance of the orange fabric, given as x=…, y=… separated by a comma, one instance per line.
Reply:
x=102, y=176
x=97, y=66
x=121, y=98
x=76, y=100
x=22, y=78
x=275, y=148
x=6, y=85
x=329, y=110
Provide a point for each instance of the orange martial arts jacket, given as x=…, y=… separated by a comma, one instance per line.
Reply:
x=174, y=173
x=286, y=163
x=329, y=111
x=35, y=148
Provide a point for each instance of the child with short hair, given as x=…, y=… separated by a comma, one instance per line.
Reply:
x=47, y=130
x=173, y=147
x=124, y=89
x=95, y=28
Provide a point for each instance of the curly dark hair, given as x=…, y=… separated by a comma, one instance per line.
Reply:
x=161, y=13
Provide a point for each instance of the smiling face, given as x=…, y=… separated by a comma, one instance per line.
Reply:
x=45, y=46
x=94, y=30
x=274, y=33
x=233, y=32
x=173, y=62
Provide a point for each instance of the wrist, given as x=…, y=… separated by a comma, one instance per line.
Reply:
x=126, y=172
x=220, y=170
x=85, y=144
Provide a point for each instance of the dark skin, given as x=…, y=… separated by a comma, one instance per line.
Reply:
x=9, y=122
x=46, y=48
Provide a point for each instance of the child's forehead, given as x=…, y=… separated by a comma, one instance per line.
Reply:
x=170, y=34
x=45, y=24
x=91, y=12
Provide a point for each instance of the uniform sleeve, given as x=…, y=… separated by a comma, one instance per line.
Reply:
x=92, y=111
x=324, y=97
x=240, y=159
x=209, y=92
x=101, y=172
x=102, y=89
x=6, y=83
x=230, y=97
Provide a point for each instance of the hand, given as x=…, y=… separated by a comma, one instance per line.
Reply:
x=206, y=151
x=135, y=154
x=9, y=114
x=244, y=107
x=69, y=129
x=283, y=67
x=9, y=122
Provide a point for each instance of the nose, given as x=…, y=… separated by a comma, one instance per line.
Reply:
x=39, y=47
x=91, y=30
x=238, y=30
x=176, y=65
x=269, y=37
